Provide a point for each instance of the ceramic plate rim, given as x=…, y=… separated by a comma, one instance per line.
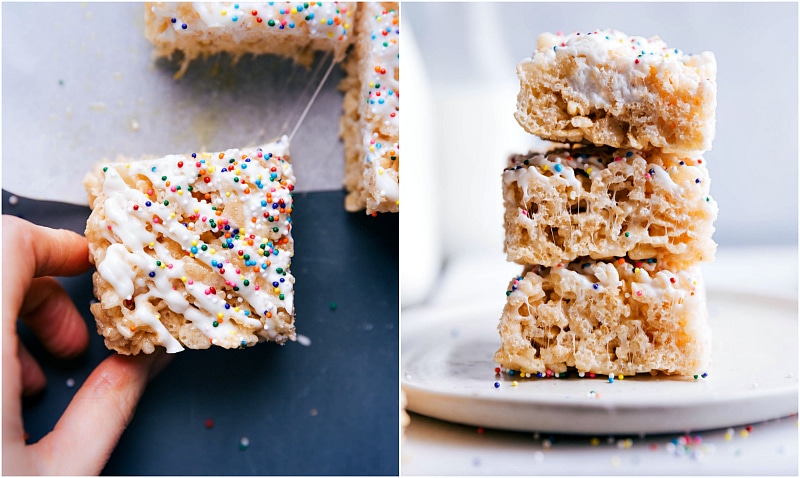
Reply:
x=442, y=314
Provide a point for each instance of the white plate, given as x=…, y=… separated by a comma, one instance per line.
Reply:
x=448, y=373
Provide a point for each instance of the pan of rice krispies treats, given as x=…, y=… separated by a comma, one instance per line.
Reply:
x=604, y=203
x=371, y=118
x=615, y=317
x=606, y=88
x=193, y=250
x=293, y=30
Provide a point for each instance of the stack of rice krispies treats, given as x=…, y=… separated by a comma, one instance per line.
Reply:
x=612, y=224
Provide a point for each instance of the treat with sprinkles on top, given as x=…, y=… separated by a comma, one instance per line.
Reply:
x=371, y=119
x=602, y=203
x=605, y=317
x=606, y=88
x=193, y=250
x=292, y=29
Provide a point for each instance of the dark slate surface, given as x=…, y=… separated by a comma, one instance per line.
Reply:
x=330, y=408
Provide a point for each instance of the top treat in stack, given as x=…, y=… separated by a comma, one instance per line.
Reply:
x=606, y=88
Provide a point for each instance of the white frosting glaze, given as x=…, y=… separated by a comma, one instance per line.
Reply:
x=382, y=67
x=602, y=45
x=667, y=171
x=626, y=54
x=610, y=69
x=387, y=184
x=323, y=20
x=590, y=276
x=380, y=113
x=120, y=278
x=212, y=206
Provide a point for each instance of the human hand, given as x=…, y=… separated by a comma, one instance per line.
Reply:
x=85, y=435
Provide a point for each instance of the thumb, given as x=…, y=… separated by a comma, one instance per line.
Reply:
x=89, y=429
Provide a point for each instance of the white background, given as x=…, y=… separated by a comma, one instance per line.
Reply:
x=80, y=85
x=469, y=53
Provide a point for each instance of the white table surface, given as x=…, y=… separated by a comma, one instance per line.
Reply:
x=99, y=94
x=431, y=446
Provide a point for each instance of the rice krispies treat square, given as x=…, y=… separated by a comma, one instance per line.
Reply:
x=614, y=317
x=193, y=250
x=606, y=88
x=371, y=119
x=282, y=28
x=603, y=203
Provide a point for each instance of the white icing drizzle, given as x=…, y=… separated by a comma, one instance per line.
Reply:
x=623, y=51
x=382, y=66
x=632, y=63
x=240, y=202
x=381, y=111
x=563, y=164
x=322, y=20
x=589, y=276
x=630, y=57
x=644, y=279
x=666, y=171
x=114, y=269
x=387, y=184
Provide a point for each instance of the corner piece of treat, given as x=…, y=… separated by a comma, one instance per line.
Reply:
x=606, y=88
x=193, y=250
x=371, y=119
x=289, y=29
x=606, y=317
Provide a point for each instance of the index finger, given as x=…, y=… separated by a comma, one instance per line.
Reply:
x=40, y=251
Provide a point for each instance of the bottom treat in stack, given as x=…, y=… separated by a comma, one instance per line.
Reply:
x=605, y=317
